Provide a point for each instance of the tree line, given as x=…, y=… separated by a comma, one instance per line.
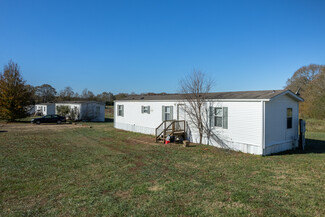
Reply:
x=16, y=95
x=46, y=93
x=309, y=82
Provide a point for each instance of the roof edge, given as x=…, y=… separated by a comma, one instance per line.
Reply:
x=289, y=92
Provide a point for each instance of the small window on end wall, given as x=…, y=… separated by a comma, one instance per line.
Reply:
x=145, y=109
x=289, y=118
x=120, y=110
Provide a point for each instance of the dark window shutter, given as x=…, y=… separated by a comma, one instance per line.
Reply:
x=148, y=109
x=225, y=118
x=171, y=112
x=163, y=113
x=211, y=117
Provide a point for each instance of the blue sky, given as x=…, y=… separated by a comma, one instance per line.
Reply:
x=148, y=46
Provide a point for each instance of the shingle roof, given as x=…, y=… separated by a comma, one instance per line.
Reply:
x=48, y=103
x=260, y=94
x=80, y=102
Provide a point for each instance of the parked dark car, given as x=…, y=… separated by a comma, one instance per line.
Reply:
x=49, y=119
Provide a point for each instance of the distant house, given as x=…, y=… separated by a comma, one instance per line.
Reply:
x=30, y=109
x=84, y=110
x=45, y=109
x=256, y=122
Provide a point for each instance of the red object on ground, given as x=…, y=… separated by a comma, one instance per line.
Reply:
x=167, y=141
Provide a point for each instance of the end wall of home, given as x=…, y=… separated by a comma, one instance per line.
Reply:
x=277, y=136
x=92, y=112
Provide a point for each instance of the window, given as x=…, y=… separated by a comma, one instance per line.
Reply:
x=219, y=117
x=289, y=118
x=120, y=110
x=145, y=109
x=167, y=113
x=44, y=108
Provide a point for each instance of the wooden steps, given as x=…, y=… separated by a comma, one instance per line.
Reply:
x=172, y=128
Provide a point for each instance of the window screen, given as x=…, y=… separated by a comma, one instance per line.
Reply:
x=145, y=109
x=219, y=117
x=167, y=113
x=120, y=110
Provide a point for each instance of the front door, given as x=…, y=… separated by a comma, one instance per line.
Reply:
x=181, y=115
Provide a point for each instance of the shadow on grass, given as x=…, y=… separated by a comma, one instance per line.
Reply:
x=109, y=120
x=189, y=146
x=20, y=122
x=3, y=131
x=312, y=146
x=315, y=146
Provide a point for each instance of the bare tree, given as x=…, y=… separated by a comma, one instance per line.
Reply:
x=87, y=94
x=66, y=94
x=195, y=88
x=45, y=93
x=105, y=97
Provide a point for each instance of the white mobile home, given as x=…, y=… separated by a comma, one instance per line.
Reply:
x=84, y=110
x=30, y=109
x=256, y=122
x=45, y=109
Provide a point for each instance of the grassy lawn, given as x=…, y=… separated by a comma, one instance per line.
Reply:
x=75, y=170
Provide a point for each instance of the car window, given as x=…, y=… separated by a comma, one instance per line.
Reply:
x=47, y=116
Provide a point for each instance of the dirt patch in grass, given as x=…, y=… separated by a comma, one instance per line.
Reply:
x=144, y=140
x=138, y=165
x=123, y=194
x=17, y=127
x=156, y=188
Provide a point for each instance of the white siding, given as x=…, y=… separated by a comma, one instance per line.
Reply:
x=277, y=137
x=86, y=110
x=244, y=131
x=89, y=110
x=51, y=109
x=71, y=105
x=46, y=109
x=134, y=120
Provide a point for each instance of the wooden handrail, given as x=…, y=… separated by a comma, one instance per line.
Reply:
x=160, y=124
x=173, y=122
x=164, y=122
